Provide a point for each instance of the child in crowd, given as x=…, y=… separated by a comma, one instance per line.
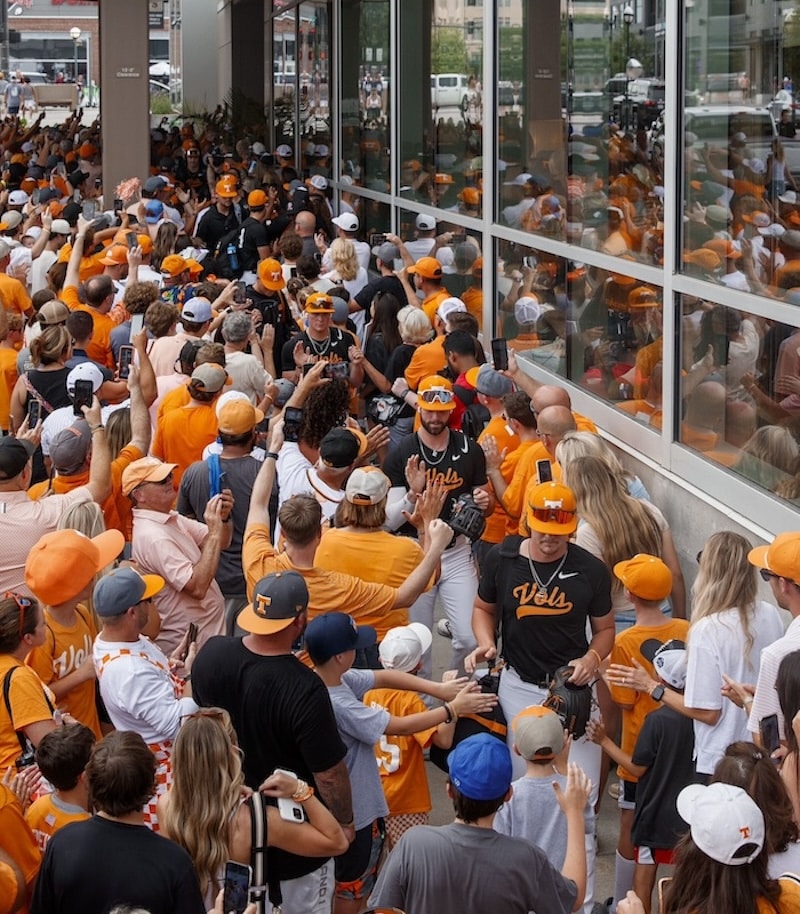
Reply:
x=400, y=760
x=533, y=812
x=10, y=342
x=662, y=762
x=62, y=755
x=331, y=641
x=64, y=661
x=648, y=582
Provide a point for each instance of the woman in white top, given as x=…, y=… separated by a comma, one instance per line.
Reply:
x=349, y=273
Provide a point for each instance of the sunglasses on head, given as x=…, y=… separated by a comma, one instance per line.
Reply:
x=23, y=604
x=436, y=395
x=551, y=515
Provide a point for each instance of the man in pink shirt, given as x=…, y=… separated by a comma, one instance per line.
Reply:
x=184, y=552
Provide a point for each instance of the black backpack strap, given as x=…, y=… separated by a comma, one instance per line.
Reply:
x=23, y=744
x=258, y=850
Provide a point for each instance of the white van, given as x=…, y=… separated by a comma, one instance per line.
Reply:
x=448, y=90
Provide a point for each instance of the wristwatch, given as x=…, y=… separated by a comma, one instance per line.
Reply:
x=658, y=693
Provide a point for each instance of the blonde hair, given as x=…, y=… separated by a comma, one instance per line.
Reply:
x=622, y=523
x=343, y=259
x=51, y=345
x=774, y=445
x=725, y=580
x=372, y=517
x=586, y=444
x=415, y=326
x=206, y=788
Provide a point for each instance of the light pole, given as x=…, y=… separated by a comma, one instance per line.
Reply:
x=627, y=18
x=75, y=35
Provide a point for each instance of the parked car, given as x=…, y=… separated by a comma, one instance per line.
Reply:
x=448, y=90
x=646, y=98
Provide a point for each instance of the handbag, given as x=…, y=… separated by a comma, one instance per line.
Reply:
x=385, y=408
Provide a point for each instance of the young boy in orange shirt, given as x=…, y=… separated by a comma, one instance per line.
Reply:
x=62, y=755
x=60, y=572
x=10, y=341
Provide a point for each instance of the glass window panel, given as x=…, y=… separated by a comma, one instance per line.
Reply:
x=460, y=253
x=301, y=86
x=441, y=106
x=366, y=103
x=740, y=392
x=599, y=330
x=742, y=153
x=574, y=158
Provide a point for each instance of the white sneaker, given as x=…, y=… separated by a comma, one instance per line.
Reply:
x=443, y=627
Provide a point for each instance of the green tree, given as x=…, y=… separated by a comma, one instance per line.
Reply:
x=511, y=54
x=448, y=50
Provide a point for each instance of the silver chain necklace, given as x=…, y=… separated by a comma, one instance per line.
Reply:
x=542, y=587
x=436, y=458
x=319, y=348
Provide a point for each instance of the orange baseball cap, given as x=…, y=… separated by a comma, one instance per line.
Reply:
x=147, y=469
x=173, y=265
x=781, y=557
x=645, y=576
x=256, y=199
x=551, y=508
x=228, y=187
x=115, y=255
x=67, y=549
x=427, y=268
x=319, y=303
x=270, y=273
x=435, y=393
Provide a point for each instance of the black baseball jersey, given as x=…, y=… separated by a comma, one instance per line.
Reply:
x=461, y=467
x=335, y=351
x=544, y=630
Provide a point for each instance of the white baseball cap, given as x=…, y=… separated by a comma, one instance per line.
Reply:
x=725, y=822
x=449, y=306
x=403, y=647
x=425, y=223
x=85, y=371
x=348, y=222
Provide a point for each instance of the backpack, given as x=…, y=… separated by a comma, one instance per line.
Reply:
x=476, y=416
x=223, y=265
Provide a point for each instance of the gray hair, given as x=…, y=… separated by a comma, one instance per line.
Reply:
x=237, y=326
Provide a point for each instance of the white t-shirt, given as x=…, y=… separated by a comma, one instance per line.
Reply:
x=717, y=645
x=297, y=476
x=247, y=375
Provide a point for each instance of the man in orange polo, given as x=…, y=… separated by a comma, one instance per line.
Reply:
x=12, y=293
x=427, y=273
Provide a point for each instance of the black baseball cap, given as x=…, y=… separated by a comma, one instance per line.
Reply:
x=278, y=599
x=14, y=456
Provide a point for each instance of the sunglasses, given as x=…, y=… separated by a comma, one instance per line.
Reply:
x=23, y=604
x=767, y=575
x=551, y=515
x=436, y=395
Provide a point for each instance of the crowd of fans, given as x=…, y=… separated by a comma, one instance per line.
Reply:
x=250, y=467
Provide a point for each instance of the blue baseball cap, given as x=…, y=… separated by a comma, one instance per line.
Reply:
x=122, y=588
x=480, y=767
x=334, y=633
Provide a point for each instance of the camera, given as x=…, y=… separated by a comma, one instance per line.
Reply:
x=27, y=759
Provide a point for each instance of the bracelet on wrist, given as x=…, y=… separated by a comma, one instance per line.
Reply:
x=96, y=428
x=302, y=792
x=599, y=658
x=271, y=455
x=448, y=710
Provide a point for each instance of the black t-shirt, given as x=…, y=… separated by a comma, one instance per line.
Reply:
x=665, y=747
x=216, y=224
x=193, y=497
x=542, y=633
x=255, y=236
x=461, y=467
x=282, y=715
x=97, y=864
x=389, y=284
x=335, y=351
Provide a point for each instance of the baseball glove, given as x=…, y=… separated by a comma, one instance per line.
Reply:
x=467, y=518
x=572, y=703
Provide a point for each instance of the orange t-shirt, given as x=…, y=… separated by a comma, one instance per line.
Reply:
x=179, y=396
x=183, y=433
x=65, y=649
x=8, y=380
x=428, y=359
x=14, y=295
x=17, y=840
x=377, y=557
x=99, y=346
x=400, y=761
x=629, y=645
x=28, y=699
x=473, y=299
x=328, y=591
x=431, y=304
x=524, y=474
x=496, y=521
x=123, y=504
x=642, y=411
x=47, y=815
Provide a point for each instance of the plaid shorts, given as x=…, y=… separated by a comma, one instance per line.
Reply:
x=357, y=867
